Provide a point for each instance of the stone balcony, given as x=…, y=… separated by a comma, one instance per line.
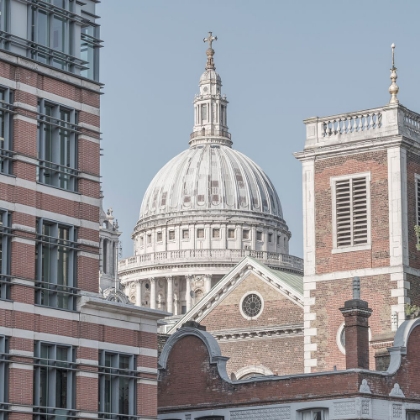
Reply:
x=374, y=126
x=230, y=256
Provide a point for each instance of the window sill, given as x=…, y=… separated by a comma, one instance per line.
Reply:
x=58, y=188
x=351, y=248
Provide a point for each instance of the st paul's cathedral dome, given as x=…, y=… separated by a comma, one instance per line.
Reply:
x=204, y=211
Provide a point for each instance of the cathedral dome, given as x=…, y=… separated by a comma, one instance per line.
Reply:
x=211, y=177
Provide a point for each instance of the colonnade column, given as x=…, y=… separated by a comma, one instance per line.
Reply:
x=138, y=293
x=170, y=298
x=188, y=292
x=207, y=283
x=152, y=293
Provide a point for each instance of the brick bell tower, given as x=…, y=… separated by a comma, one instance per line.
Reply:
x=361, y=200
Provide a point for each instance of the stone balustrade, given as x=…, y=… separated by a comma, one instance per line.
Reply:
x=377, y=123
x=212, y=255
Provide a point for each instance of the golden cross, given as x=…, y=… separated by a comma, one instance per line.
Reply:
x=210, y=39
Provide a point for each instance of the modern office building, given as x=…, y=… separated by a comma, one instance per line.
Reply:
x=65, y=351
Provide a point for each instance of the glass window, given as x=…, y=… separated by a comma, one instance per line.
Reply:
x=171, y=235
x=185, y=234
x=55, y=265
x=6, y=101
x=200, y=233
x=117, y=384
x=89, y=51
x=216, y=233
x=4, y=18
x=53, y=380
x=159, y=236
x=5, y=253
x=51, y=35
x=231, y=233
x=270, y=237
x=57, y=146
x=259, y=236
x=245, y=234
x=149, y=238
x=278, y=239
x=317, y=414
x=4, y=377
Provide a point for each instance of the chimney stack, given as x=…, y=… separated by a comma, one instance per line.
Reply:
x=356, y=329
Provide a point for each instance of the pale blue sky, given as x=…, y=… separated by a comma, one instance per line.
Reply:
x=280, y=62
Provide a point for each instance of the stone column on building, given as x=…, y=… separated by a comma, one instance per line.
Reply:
x=207, y=283
x=356, y=329
x=188, y=292
x=138, y=293
x=170, y=294
x=152, y=293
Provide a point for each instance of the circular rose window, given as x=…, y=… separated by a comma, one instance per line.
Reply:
x=252, y=305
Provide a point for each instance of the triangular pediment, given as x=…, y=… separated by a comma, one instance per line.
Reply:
x=287, y=284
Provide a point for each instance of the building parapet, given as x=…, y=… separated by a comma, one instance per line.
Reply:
x=388, y=121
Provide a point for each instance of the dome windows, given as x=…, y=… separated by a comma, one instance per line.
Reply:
x=246, y=234
x=200, y=233
x=270, y=237
x=259, y=236
x=231, y=233
x=216, y=233
x=171, y=235
x=185, y=234
x=159, y=237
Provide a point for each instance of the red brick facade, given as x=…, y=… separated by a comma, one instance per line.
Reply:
x=95, y=325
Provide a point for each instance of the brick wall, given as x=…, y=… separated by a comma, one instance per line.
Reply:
x=375, y=163
x=280, y=355
x=328, y=294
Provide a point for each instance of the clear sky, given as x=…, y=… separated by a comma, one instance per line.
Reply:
x=280, y=62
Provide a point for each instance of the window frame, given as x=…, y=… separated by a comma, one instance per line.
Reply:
x=185, y=234
x=63, y=146
x=333, y=183
x=170, y=232
x=52, y=365
x=6, y=252
x=53, y=290
x=4, y=376
x=201, y=233
x=115, y=372
x=228, y=233
x=246, y=234
x=6, y=150
x=311, y=411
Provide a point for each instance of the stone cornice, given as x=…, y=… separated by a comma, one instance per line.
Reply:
x=272, y=331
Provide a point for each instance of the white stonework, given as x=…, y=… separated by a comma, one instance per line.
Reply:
x=205, y=211
x=394, y=128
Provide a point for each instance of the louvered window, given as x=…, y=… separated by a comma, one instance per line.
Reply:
x=351, y=212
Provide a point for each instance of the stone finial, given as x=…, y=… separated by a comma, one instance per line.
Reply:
x=210, y=51
x=364, y=387
x=393, y=89
x=396, y=391
x=356, y=287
